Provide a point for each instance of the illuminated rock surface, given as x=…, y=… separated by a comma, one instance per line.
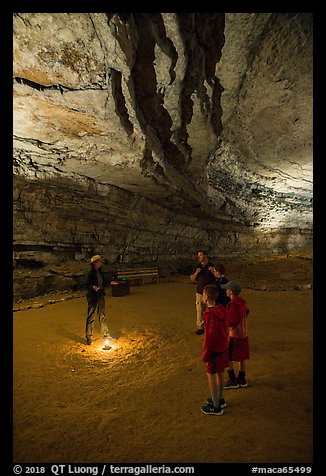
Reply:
x=146, y=136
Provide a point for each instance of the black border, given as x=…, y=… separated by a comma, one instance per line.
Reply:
x=6, y=233
x=6, y=193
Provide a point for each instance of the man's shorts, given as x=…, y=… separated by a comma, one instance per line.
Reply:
x=218, y=362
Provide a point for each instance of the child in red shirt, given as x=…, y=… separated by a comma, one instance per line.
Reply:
x=215, y=352
x=237, y=313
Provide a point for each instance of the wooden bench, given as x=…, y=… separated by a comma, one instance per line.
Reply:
x=139, y=275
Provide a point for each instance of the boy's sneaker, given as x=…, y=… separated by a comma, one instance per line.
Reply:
x=209, y=401
x=242, y=382
x=222, y=403
x=89, y=341
x=199, y=331
x=211, y=410
x=232, y=383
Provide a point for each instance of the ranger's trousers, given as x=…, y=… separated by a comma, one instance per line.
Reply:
x=94, y=305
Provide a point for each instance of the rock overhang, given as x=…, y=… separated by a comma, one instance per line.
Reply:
x=207, y=115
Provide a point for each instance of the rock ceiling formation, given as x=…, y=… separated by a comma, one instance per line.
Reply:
x=146, y=135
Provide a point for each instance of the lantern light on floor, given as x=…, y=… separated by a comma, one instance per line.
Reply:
x=107, y=345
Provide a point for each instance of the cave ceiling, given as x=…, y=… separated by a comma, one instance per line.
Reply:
x=203, y=113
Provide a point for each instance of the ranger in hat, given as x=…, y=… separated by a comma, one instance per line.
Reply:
x=95, y=284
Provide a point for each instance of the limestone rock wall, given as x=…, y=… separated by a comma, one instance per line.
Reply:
x=144, y=136
x=264, y=158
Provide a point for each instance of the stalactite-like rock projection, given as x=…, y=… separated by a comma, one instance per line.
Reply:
x=143, y=136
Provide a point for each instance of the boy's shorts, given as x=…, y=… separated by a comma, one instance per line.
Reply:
x=238, y=349
x=218, y=362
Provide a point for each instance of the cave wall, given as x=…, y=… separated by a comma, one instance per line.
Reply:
x=264, y=156
x=146, y=136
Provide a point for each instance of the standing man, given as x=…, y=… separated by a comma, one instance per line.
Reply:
x=202, y=276
x=95, y=284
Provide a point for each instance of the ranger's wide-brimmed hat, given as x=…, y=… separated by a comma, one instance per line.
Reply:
x=95, y=258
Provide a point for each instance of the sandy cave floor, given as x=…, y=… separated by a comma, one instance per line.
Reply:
x=140, y=401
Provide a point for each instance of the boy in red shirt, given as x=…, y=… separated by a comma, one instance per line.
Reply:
x=237, y=313
x=215, y=352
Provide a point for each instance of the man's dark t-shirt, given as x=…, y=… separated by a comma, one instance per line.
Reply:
x=222, y=296
x=204, y=277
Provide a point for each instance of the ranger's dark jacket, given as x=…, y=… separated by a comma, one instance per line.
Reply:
x=91, y=281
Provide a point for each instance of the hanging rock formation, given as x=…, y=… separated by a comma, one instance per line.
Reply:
x=143, y=136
